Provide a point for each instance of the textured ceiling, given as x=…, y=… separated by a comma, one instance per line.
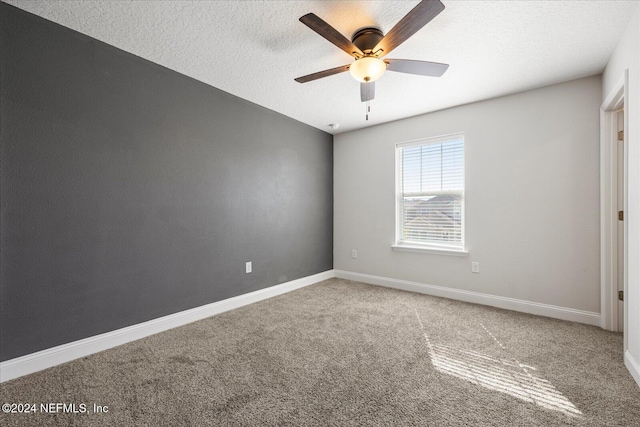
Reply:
x=254, y=49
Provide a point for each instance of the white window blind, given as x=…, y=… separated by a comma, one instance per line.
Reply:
x=431, y=192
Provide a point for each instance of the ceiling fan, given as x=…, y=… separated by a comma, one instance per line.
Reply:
x=368, y=46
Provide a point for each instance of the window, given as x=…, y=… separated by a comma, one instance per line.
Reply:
x=430, y=194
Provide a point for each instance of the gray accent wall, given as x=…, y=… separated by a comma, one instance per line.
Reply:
x=130, y=191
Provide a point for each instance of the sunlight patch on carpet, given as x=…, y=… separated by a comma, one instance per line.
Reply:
x=507, y=376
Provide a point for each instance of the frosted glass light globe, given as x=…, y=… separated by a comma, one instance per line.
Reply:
x=367, y=69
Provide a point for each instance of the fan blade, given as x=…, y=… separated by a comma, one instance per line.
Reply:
x=367, y=91
x=328, y=32
x=421, y=68
x=417, y=18
x=321, y=74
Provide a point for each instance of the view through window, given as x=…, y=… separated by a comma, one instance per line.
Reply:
x=430, y=192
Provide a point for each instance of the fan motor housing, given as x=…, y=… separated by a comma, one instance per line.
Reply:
x=367, y=38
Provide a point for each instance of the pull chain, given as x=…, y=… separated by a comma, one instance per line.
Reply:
x=368, y=103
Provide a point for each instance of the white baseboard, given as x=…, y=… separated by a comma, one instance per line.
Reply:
x=34, y=362
x=633, y=366
x=563, y=313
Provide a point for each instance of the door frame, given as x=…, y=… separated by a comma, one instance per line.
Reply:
x=614, y=101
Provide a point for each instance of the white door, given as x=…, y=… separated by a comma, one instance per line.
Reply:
x=620, y=205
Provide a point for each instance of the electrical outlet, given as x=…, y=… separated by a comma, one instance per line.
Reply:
x=248, y=267
x=475, y=267
x=354, y=254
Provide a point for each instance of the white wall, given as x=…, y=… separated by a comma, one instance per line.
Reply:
x=532, y=201
x=627, y=57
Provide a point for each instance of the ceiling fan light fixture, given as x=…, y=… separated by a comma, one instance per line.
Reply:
x=367, y=69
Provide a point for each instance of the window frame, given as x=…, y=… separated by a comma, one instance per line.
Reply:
x=428, y=247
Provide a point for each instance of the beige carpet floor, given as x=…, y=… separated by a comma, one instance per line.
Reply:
x=342, y=353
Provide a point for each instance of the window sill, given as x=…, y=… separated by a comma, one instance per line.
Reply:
x=430, y=250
